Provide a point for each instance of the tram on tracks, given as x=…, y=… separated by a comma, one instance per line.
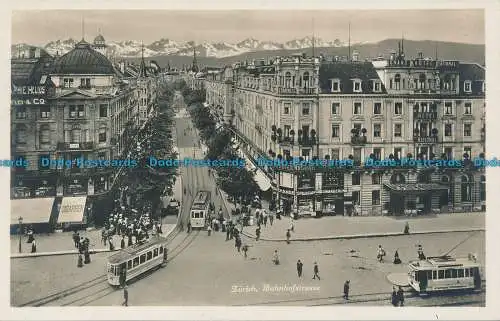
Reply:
x=200, y=209
x=444, y=273
x=137, y=259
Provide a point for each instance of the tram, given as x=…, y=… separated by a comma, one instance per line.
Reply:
x=444, y=273
x=137, y=259
x=200, y=209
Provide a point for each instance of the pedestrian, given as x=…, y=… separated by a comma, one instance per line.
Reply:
x=396, y=258
x=276, y=259
x=316, y=271
x=33, y=246
x=346, y=289
x=76, y=238
x=271, y=219
x=245, y=250
x=407, y=228
x=111, y=246
x=122, y=243
x=292, y=227
x=299, y=268
x=189, y=227
x=125, y=296
x=380, y=253
x=257, y=233
x=420, y=253
x=209, y=229
x=288, y=236
x=228, y=231
x=401, y=297
x=80, y=261
x=237, y=244
x=394, y=297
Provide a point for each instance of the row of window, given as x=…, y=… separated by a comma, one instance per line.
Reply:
x=74, y=135
x=423, y=128
x=356, y=85
x=398, y=152
x=138, y=260
x=447, y=274
x=75, y=111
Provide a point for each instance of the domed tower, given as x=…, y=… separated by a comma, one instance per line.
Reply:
x=100, y=44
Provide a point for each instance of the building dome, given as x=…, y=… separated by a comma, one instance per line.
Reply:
x=99, y=39
x=83, y=60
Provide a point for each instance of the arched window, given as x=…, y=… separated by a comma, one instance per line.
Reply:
x=466, y=188
x=44, y=134
x=305, y=77
x=482, y=188
x=397, y=179
x=21, y=133
x=424, y=178
x=76, y=135
x=288, y=80
x=397, y=81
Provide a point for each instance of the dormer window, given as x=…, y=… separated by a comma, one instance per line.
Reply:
x=467, y=86
x=356, y=85
x=377, y=86
x=335, y=85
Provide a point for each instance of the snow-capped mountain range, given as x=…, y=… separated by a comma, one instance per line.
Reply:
x=165, y=47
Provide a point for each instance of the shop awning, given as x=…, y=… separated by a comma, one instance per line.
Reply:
x=261, y=179
x=416, y=188
x=33, y=210
x=72, y=209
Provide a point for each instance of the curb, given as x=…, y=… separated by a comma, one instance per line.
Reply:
x=360, y=236
x=56, y=253
x=74, y=252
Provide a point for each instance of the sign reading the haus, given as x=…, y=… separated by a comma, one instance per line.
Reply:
x=28, y=90
x=28, y=95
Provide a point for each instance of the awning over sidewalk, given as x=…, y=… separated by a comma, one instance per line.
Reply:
x=262, y=180
x=33, y=210
x=417, y=188
x=72, y=209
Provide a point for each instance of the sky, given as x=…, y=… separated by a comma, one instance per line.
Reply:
x=40, y=27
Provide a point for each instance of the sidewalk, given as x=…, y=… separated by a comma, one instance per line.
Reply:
x=62, y=243
x=332, y=227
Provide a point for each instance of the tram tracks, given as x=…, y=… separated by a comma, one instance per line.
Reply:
x=382, y=298
x=98, y=287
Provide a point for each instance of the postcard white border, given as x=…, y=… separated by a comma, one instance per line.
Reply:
x=492, y=16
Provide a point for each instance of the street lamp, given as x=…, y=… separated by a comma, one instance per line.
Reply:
x=20, y=219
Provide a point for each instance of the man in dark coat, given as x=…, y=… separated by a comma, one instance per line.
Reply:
x=125, y=296
x=299, y=268
x=346, y=289
x=401, y=296
x=316, y=271
x=394, y=297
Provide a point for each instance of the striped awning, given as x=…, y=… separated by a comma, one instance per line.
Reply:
x=262, y=180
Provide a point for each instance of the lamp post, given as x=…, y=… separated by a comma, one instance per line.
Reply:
x=20, y=219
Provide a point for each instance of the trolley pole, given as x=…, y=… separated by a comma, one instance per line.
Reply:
x=20, y=219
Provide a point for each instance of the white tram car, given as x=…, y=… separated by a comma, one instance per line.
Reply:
x=444, y=273
x=137, y=259
x=200, y=209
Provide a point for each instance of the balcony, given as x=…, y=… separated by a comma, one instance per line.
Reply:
x=425, y=139
x=358, y=140
x=285, y=141
x=428, y=115
x=75, y=146
x=307, y=141
x=287, y=91
x=307, y=91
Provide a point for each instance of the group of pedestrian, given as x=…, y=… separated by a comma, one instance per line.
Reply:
x=397, y=298
x=83, y=246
